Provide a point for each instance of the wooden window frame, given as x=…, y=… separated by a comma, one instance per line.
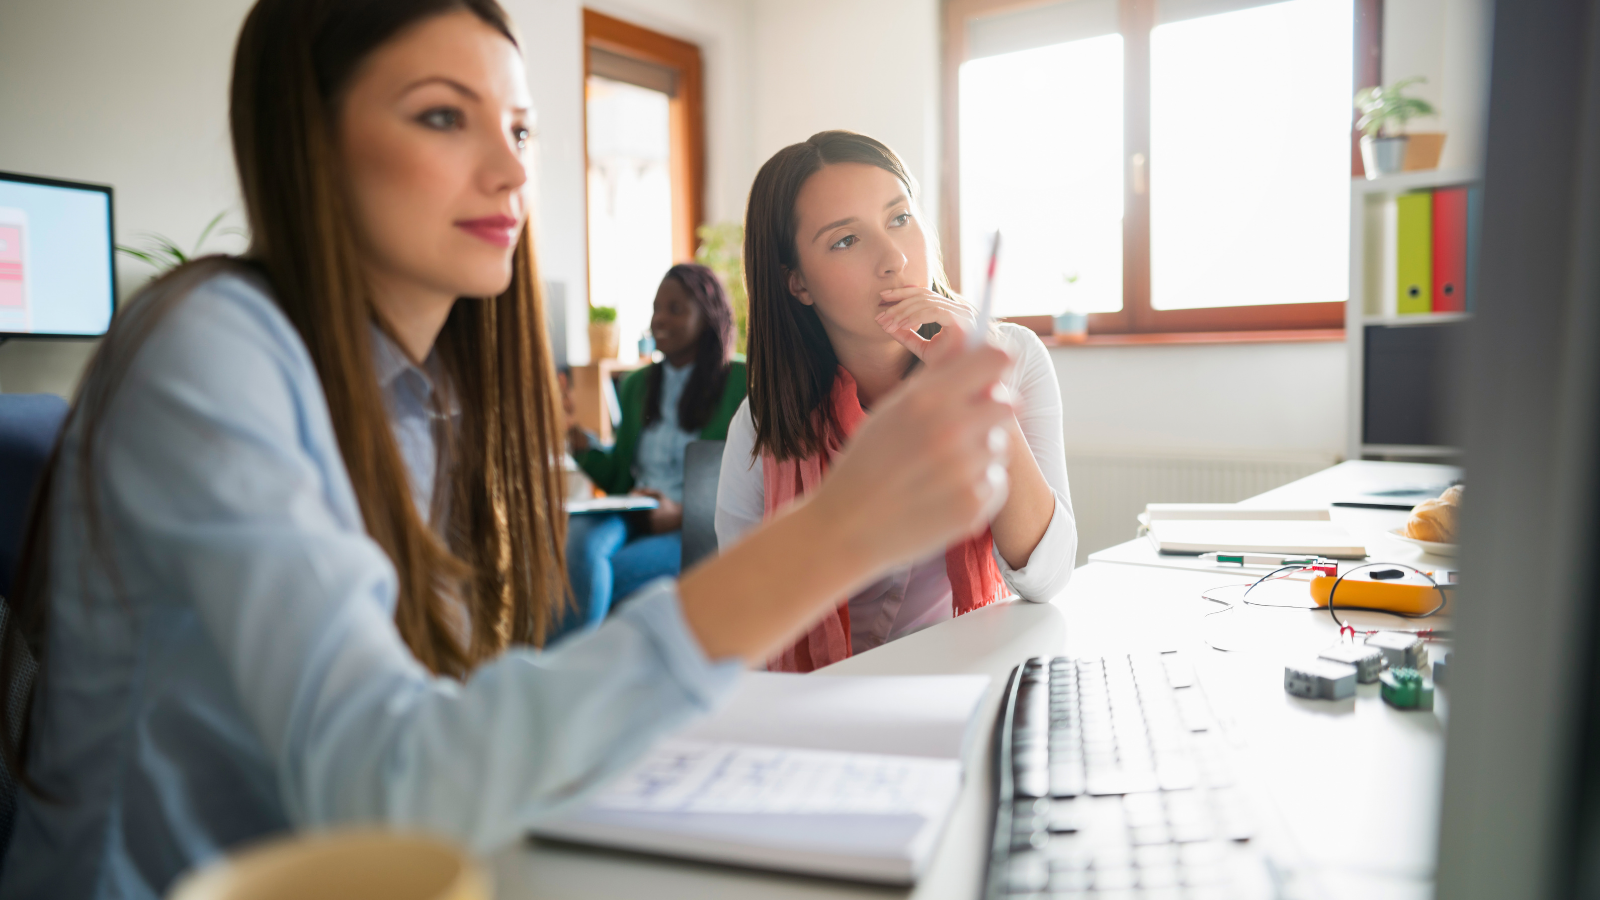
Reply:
x=685, y=110
x=1136, y=18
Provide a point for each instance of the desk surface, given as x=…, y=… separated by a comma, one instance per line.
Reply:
x=1347, y=792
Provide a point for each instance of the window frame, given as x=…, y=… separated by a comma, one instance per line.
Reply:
x=686, y=117
x=1137, y=18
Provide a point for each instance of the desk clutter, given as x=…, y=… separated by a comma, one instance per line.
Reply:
x=1110, y=776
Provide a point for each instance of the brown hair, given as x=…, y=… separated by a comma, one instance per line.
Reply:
x=502, y=550
x=712, y=353
x=791, y=361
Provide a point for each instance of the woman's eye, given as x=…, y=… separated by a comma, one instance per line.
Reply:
x=901, y=219
x=844, y=242
x=522, y=135
x=443, y=118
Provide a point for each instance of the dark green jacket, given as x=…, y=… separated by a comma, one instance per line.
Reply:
x=613, y=472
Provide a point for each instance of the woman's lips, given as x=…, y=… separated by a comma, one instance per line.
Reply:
x=500, y=231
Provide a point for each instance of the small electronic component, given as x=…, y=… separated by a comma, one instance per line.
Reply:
x=1406, y=688
x=1367, y=659
x=1320, y=679
x=1440, y=666
x=1402, y=649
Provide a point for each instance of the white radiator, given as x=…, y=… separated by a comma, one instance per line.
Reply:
x=1110, y=489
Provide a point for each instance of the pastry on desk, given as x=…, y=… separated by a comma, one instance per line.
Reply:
x=1435, y=520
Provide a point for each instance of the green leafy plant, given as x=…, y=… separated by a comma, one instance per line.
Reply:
x=1386, y=110
x=602, y=315
x=162, y=253
x=722, y=251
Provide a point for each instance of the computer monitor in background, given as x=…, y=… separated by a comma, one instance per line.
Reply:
x=57, y=278
x=1521, y=804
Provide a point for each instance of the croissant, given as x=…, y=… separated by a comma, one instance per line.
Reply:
x=1433, y=520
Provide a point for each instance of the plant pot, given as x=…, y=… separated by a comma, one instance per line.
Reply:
x=602, y=340
x=1384, y=155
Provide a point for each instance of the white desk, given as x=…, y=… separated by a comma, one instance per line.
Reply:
x=1346, y=792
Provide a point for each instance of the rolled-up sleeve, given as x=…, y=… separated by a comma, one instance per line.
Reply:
x=227, y=489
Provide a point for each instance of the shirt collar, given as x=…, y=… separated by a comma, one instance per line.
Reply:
x=391, y=365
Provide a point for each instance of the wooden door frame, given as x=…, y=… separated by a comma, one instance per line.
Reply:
x=686, y=112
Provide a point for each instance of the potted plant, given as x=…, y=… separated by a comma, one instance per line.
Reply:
x=1384, y=114
x=603, y=332
x=722, y=251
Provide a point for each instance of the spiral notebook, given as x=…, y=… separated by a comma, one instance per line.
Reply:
x=840, y=776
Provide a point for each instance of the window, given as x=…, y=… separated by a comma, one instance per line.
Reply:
x=643, y=142
x=1175, y=171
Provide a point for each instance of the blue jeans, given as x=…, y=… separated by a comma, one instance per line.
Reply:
x=609, y=557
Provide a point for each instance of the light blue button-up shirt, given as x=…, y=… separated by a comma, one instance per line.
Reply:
x=248, y=676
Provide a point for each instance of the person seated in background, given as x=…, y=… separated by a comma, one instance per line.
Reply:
x=848, y=300
x=690, y=395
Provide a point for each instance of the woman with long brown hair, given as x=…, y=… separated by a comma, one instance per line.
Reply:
x=848, y=303
x=301, y=539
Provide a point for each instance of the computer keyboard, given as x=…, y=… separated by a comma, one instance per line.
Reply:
x=1111, y=780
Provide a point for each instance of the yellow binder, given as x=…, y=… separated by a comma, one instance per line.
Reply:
x=1414, y=253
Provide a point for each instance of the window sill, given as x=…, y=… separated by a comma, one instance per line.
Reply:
x=1283, y=336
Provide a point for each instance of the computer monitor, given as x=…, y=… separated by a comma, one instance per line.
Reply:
x=1520, y=815
x=57, y=276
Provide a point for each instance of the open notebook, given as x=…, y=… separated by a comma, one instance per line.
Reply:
x=841, y=776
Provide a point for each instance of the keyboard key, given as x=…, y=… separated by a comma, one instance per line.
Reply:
x=1066, y=816
x=1110, y=879
x=1157, y=877
x=1192, y=706
x=1069, y=880
x=1066, y=781
x=1029, y=870
x=1150, y=834
x=1202, y=875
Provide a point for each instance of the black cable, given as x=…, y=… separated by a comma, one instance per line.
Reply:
x=1443, y=598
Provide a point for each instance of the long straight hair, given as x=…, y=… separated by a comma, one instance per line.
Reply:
x=713, y=351
x=501, y=553
x=791, y=362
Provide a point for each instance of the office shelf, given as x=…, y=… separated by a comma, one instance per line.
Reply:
x=1417, y=319
x=1366, y=199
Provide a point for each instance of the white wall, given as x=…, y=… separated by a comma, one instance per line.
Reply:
x=129, y=94
x=1446, y=42
x=1205, y=399
x=865, y=65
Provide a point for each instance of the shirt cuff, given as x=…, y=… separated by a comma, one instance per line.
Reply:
x=1034, y=580
x=657, y=610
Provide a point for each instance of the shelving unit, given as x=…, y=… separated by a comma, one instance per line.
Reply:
x=1362, y=309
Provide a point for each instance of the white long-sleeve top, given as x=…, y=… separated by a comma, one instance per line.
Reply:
x=914, y=597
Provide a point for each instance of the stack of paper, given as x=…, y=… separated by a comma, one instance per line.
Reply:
x=1203, y=528
x=849, y=777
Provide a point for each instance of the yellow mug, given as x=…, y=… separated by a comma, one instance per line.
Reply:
x=340, y=865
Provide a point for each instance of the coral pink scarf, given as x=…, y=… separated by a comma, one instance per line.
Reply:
x=974, y=577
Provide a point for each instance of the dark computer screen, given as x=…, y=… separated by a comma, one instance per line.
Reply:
x=56, y=272
x=1409, y=390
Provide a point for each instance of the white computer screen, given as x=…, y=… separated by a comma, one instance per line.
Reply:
x=55, y=257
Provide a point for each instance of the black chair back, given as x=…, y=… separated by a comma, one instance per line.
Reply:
x=29, y=424
x=702, y=467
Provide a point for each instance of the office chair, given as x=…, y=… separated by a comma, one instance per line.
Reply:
x=702, y=467
x=29, y=424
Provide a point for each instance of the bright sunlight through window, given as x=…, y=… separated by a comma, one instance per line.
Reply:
x=630, y=201
x=1041, y=159
x=1250, y=157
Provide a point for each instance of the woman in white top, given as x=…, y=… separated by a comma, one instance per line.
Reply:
x=847, y=301
x=302, y=538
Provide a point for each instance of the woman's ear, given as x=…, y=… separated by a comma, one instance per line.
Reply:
x=797, y=286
